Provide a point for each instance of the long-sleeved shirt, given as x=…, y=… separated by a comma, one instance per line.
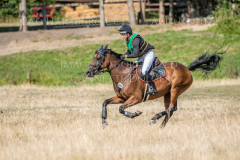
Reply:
x=137, y=43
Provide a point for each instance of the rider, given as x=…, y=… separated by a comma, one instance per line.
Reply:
x=138, y=47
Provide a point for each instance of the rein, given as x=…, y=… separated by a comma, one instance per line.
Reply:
x=120, y=84
x=108, y=70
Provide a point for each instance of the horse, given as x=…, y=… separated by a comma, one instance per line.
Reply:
x=132, y=90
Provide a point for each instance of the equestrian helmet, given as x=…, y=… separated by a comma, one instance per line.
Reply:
x=125, y=29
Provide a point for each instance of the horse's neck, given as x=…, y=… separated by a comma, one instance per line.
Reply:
x=121, y=71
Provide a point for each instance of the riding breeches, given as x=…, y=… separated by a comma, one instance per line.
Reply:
x=147, y=60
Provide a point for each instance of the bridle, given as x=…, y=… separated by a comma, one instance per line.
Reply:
x=95, y=68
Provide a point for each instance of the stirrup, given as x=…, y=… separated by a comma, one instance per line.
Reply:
x=151, y=92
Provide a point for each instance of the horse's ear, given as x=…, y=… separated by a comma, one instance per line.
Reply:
x=101, y=48
x=105, y=48
x=96, y=52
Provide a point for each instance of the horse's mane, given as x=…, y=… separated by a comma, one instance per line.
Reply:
x=118, y=56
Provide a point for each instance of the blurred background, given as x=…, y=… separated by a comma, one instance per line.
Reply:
x=77, y=13
x=52, y=42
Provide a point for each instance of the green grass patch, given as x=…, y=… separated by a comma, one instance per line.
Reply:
x=227, y=25
x=67, y=67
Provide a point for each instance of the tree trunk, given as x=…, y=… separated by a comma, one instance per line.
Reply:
x=171, y=11
x=131, y=13
x=24, y=15
x=161, y=12
x=143, y=9
x=20, y=16
x=189, y=9
x=101, y=11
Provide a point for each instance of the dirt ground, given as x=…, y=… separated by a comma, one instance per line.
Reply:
x=14, y=42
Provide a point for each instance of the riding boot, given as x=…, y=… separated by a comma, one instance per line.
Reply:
x=150, y=82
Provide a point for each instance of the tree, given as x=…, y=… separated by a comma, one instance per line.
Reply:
x=131, y=13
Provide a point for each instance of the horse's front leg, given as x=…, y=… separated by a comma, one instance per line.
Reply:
x=113, y=100
x=130, y=102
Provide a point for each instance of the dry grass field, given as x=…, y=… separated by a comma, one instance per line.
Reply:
x=65, y=123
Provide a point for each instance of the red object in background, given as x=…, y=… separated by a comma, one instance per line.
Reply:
x=37, y=12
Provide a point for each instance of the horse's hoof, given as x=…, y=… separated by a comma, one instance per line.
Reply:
x=152, y=121
x=138, y=113
x=162, y=126
x=104, y=125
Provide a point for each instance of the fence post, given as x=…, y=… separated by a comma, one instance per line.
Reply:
x=101, y=11
x=24, y=15
x=44, y=15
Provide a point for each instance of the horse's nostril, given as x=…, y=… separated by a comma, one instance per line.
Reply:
x=87, y=72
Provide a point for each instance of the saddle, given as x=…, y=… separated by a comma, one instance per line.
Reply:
x=157, y=70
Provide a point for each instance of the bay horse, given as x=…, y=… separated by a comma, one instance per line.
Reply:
x=178, y=80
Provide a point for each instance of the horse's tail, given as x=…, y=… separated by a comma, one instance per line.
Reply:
x=207, y=62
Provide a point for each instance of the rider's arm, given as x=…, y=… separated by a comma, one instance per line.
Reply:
x=127, y=53
x=135, y=43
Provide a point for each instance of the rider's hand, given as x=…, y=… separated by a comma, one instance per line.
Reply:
x=123, y=56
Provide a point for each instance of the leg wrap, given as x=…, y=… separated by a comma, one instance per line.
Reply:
x=174, y=108
x=104, y=112
x=129, y=114
x=159, y=115
x=121, y=110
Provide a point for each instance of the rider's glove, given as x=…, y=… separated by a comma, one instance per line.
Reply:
x=123, y=56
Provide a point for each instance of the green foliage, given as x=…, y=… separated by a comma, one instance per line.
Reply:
x=8, y=15
x=67, y=67
x=228, y=21
x=152, y=15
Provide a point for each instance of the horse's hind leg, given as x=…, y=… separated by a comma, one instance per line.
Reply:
x=175, y=92
x=170, y=99
x=168, y=116
x=167, y=99
x=130, y=102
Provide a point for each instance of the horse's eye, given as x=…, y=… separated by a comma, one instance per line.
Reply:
x=98, y=58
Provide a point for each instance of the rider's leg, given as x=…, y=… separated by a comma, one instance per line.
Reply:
x=148, y=60
x=150, y=82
